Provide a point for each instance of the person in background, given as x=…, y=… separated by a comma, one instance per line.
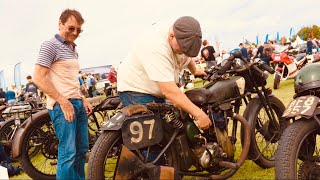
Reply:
x=2, y=97
x=309, y=46
x=112, y=77
x=208, y=54
x=11, y=96
x=90, y=85
x=2, y=93
x=151, y=73
x=6, y=162
x=56, y=74
x=32, y=89
x=243, y=51
x=259, y=51
x=266, y=54
x=83, y=87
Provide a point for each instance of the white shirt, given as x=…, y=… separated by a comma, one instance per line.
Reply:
x=152, y=60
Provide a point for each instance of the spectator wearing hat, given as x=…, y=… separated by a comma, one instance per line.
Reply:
x=151, y=71
x=208, y=54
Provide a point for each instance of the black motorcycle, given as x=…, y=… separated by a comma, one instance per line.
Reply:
x=298, y=153
x=161, y=141
x=37, y=132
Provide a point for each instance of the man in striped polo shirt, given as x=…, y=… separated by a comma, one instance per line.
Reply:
x=56, y=74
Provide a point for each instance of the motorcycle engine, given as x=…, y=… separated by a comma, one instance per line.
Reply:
x=209, y=155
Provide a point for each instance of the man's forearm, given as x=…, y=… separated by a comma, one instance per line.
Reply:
x=192, y=67
x=47, y=87
x=178, y=98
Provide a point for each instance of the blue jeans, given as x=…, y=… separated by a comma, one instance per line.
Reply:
x=130, y=98
x=73, y=141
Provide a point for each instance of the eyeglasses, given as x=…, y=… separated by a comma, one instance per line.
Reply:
x=72, y=29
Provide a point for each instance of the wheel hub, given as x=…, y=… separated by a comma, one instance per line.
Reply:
x=309, y=170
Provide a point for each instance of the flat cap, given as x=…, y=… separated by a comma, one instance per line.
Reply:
x=188, y=33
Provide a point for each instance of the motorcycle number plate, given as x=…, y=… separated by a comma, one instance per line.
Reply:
x=301, y=106
x=277, y=58
x=142, y=131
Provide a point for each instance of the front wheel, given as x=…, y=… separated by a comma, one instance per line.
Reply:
x=43, y=164
x=106, y=151
x=276, y=81
x=298, y=153
x=265, y=132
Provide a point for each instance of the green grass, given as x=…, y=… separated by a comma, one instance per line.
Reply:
x=249, y=170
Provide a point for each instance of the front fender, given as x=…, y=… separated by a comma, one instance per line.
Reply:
x=23, y=129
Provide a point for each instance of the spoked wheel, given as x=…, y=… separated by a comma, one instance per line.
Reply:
x=298, y=154
x=266, y=133
x=92, y=122
x=43, y=164
x=7, y=134
x=106, y=151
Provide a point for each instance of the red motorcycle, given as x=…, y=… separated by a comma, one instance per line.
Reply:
x=286, y=63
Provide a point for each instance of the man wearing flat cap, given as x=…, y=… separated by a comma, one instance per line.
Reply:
x=151, y=71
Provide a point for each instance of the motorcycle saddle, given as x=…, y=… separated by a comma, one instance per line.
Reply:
x=198, y=96
x=109, y=104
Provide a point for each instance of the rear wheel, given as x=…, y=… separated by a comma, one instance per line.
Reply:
x=6, y=133
x=298, y=154
x=106, y=151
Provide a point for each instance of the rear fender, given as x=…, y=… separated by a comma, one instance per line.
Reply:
x=23, y=129
x=114, y=123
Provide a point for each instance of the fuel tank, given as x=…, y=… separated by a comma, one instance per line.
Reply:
x=226, y=89
x=218, y=91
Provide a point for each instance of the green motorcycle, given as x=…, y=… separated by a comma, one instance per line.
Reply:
x=298, y=155
x=161, y=141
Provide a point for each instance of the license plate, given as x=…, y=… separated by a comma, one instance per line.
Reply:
x=301, y=106
x=143, y=131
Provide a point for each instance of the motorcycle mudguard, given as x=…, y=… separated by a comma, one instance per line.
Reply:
x=129, y=166
x=23, y=129
x=116, y=121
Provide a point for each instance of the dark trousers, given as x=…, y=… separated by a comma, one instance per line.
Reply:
x=90, y=91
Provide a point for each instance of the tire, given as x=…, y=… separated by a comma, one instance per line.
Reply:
x=292, y=144
x=104, y=147
x=40, y=135
x=5, y=133
x=254, y=115
x=276, y=81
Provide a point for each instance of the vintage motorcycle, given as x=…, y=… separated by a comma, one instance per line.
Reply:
x=161, y=141
x=298, y=155
x=37, y=132
x=287, y=63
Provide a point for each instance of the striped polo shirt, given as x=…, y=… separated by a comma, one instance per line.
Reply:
x=63, y=64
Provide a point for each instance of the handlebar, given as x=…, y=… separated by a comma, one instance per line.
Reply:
x=257, y=67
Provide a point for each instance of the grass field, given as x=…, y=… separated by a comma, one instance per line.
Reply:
x=249, y=170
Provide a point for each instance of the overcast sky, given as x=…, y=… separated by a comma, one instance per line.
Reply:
x=110, y=26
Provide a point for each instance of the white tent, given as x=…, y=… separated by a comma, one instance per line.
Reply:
x=298, y=42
